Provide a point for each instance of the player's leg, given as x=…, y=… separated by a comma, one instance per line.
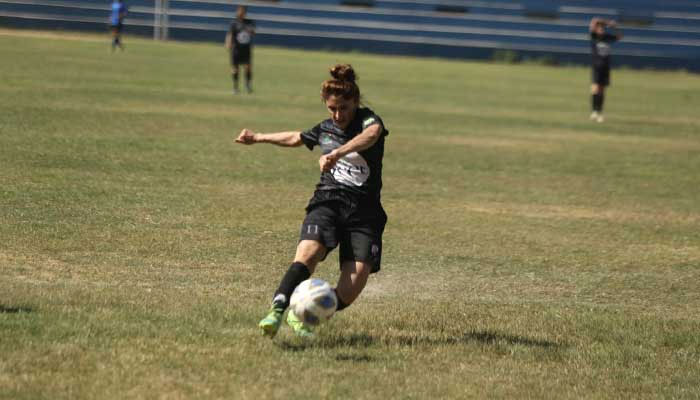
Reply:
x=249, y=76
x=118, y=36
x=601, y=79
x=308, y=254
x=601, y=101
x=360, y=253
x=316, y=239
x=595, y=99
x=234, y=77
x=115, y=37
x=234, y=70
x=353, y=278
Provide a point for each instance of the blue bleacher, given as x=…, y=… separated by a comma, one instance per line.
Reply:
x=657, y=33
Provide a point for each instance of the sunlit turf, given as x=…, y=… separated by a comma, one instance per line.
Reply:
x=530, y=253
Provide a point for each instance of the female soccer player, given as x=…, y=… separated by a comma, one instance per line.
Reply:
x=600, y=50
x=345, y=208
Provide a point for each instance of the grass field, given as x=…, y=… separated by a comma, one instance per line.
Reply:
x=530, y=253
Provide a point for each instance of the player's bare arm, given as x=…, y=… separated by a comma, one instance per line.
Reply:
x=284, y=139
x=363, y=141
x=228, y=41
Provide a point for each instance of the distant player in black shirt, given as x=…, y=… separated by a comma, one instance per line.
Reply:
x=601, y=39
x=345, y=208
x=239, y=42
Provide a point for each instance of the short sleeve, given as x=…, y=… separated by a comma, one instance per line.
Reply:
x=310, y=137
x=370, y=119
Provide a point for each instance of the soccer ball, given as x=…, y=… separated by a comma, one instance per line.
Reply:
x=313, y=301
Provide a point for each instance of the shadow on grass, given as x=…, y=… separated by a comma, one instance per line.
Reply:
x=14, y=310
x=354, y=357
x=491, y=337
x=362, y=340
x=353, y=340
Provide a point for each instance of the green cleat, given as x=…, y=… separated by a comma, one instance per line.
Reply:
x=271, y=323
x=298, y=326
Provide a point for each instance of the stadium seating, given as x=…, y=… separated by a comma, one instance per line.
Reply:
x=658, y=33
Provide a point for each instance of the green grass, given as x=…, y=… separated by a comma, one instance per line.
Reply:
x=529, y=253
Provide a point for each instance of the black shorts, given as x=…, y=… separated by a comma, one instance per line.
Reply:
x=240, y=55
x=356, y=225
x=601, y=75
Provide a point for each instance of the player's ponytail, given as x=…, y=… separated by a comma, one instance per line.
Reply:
x=342, y=85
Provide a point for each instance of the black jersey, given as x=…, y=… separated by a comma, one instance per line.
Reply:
x=242, y=32
x=600, y=48
x=358, y=173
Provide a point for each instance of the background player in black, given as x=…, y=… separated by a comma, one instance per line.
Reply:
x=345, y=209
x=239, y=42
x=600, y=51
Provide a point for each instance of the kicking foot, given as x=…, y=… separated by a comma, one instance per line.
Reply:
x=271, y=323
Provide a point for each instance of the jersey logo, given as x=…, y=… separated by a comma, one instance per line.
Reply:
x=369, y=121
x=243, y=37
x=351, y=170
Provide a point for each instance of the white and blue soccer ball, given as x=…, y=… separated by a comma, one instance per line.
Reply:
x=313, y=301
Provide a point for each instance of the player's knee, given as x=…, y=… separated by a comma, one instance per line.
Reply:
x=310, y=252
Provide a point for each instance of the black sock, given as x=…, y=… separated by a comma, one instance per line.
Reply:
x=296, y=274
x=341, y=304
x=600, y=102
x=248, y=77
x=596, y=100
x=234, y=76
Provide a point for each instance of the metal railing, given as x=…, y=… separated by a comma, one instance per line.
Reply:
x=161, y=20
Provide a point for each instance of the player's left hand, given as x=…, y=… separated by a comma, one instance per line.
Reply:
x=327, y=161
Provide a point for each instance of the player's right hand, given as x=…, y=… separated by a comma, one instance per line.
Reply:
x=246, y=137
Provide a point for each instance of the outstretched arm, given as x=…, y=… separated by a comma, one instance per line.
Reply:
x=284, y=139
x=363, y=141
